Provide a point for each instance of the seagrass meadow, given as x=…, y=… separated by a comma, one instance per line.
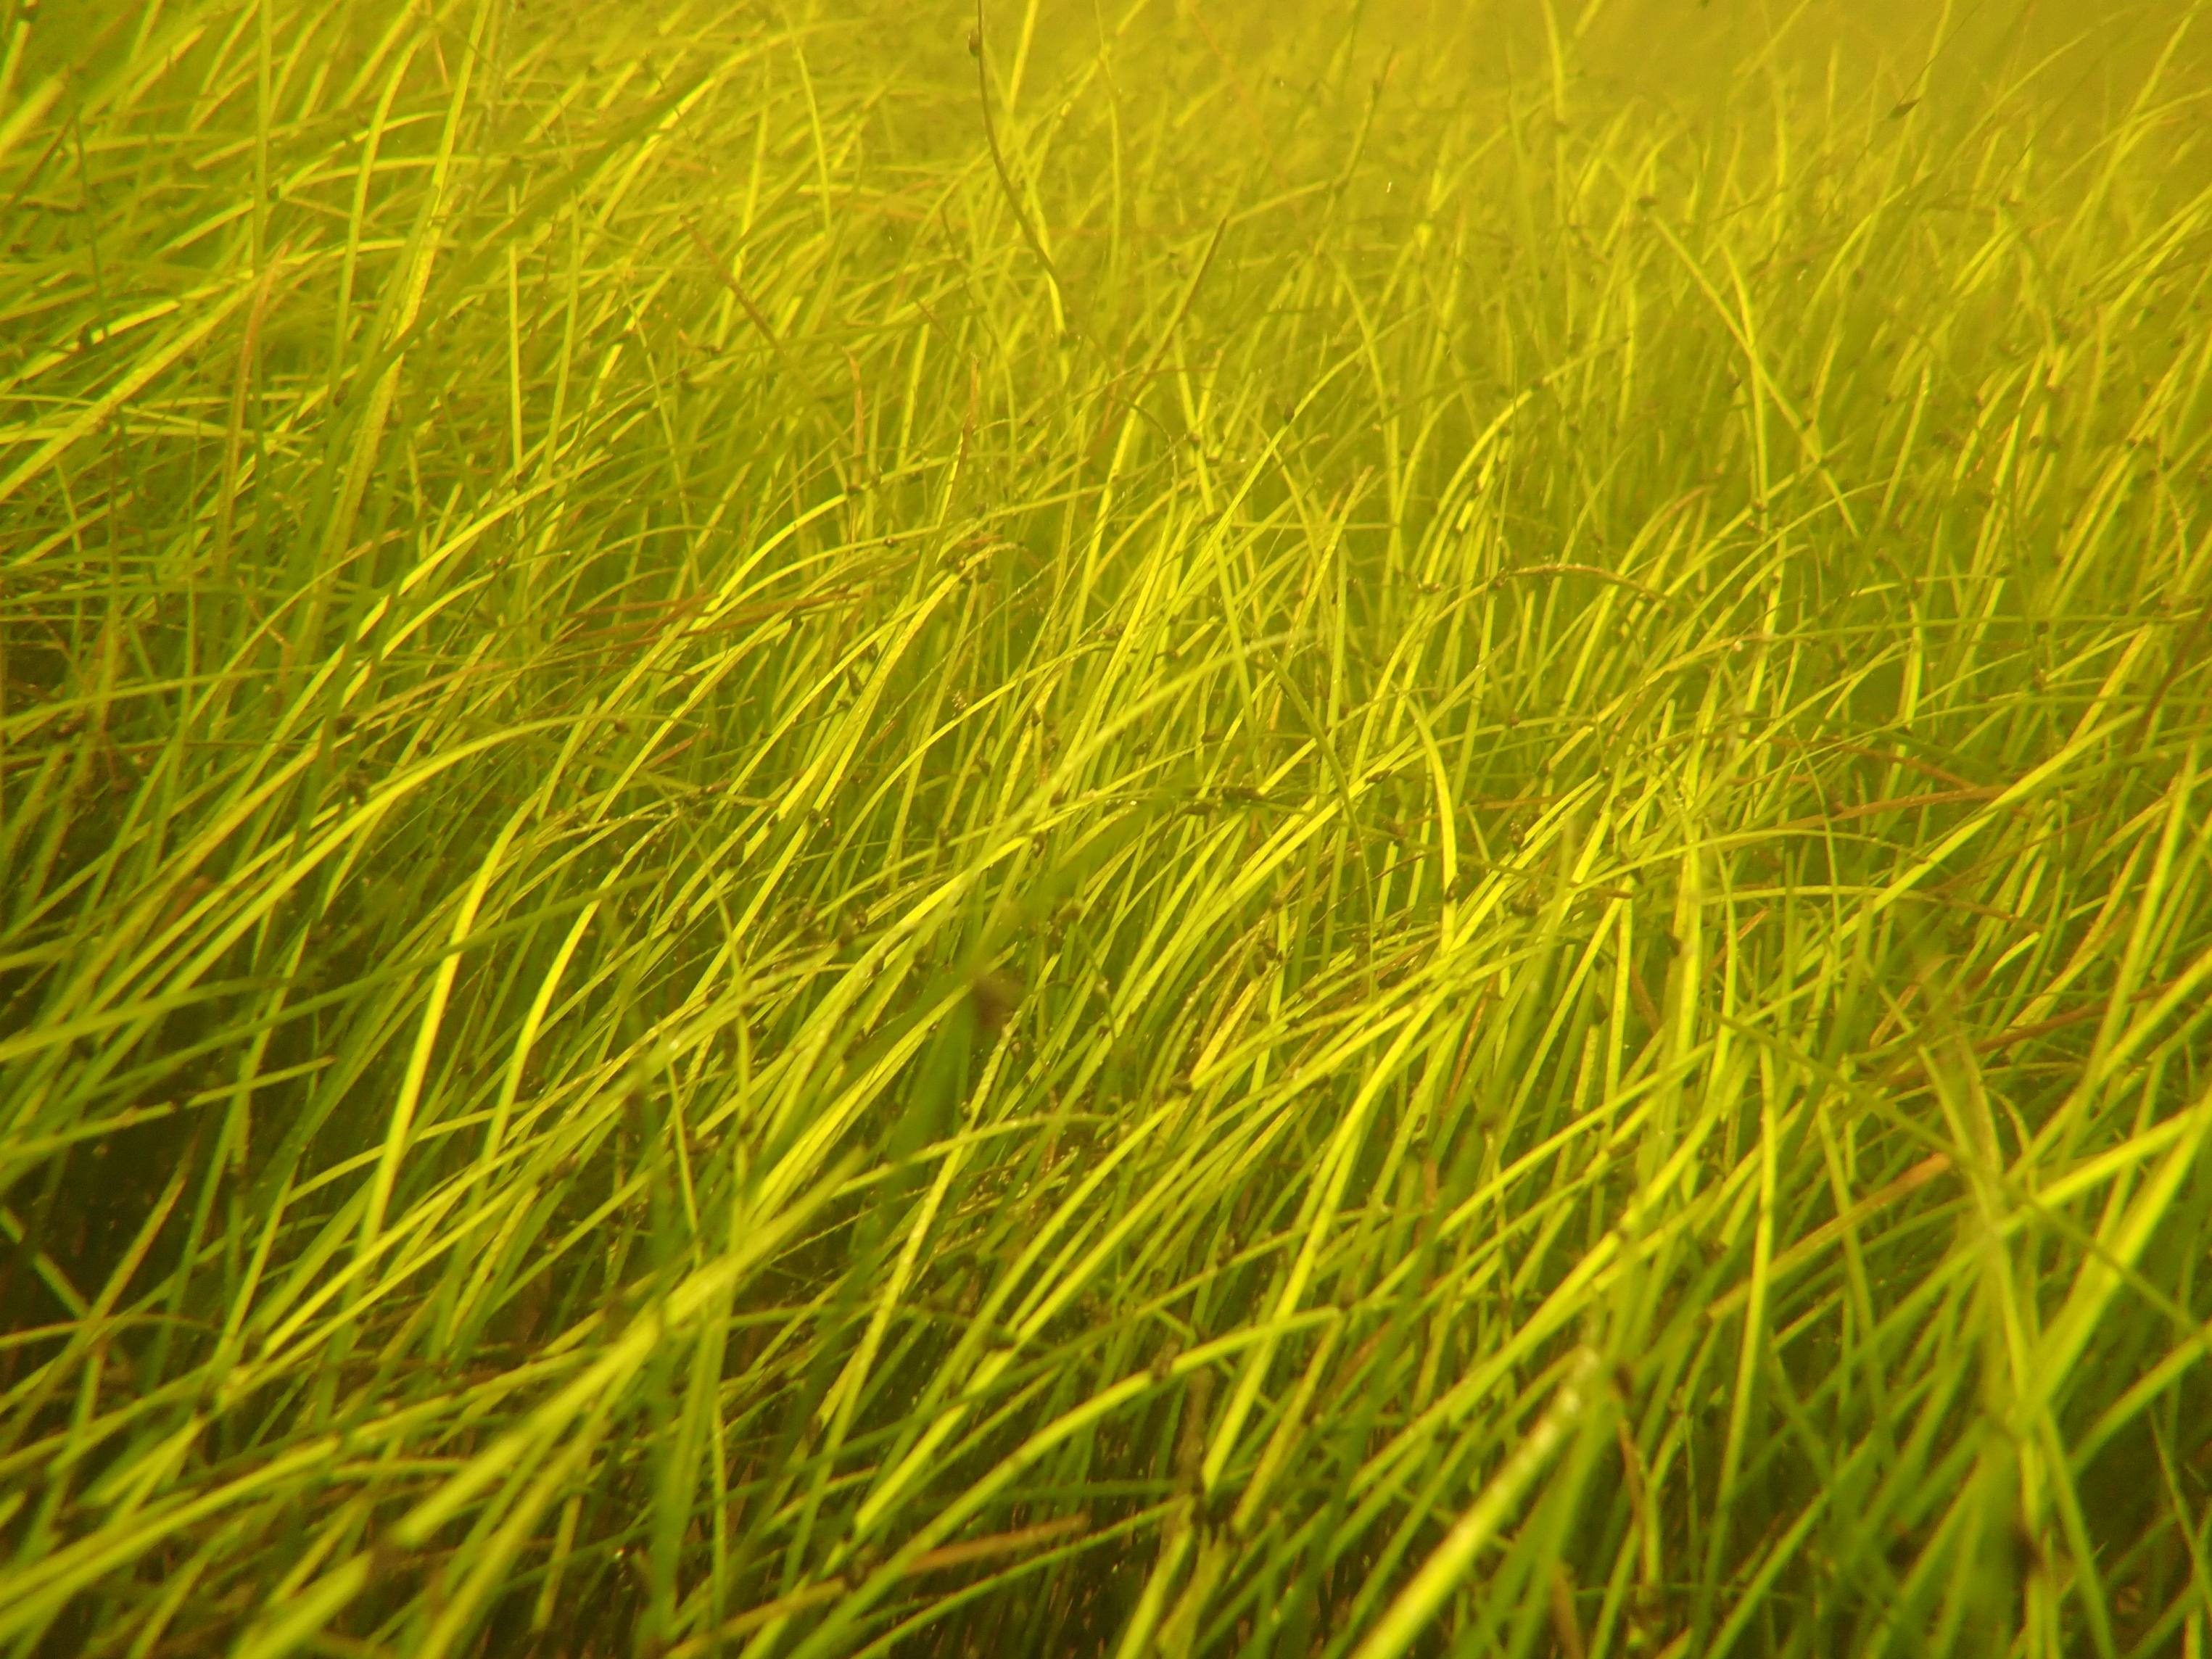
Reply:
x=1113, y=827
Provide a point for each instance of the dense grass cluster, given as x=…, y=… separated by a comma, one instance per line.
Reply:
x=1170, y=832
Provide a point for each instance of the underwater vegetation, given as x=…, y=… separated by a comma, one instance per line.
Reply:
x=1121, y=828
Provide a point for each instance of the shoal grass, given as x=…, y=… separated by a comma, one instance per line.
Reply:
x=1182, y=830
